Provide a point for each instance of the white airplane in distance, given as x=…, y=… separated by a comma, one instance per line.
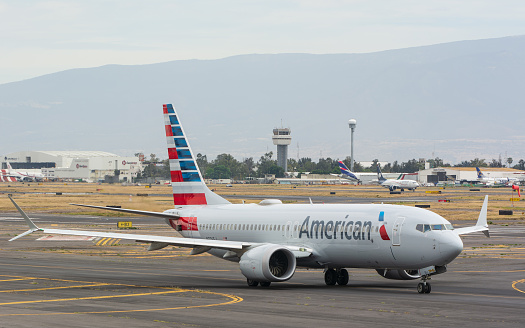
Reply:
x=22, y=176
x=398, y=183
x=492, y=181
x=270, y=240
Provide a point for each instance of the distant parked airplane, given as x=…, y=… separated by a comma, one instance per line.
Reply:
x=494, y=181
x=394, y=184
x=22, y=176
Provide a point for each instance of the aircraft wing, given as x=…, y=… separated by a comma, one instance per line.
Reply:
x=157, y=242
x=175, y=241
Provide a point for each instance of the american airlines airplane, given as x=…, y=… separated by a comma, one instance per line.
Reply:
x=394, y=184
x=270, y=240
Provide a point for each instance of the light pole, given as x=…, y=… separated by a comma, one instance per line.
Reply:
x=352, y=123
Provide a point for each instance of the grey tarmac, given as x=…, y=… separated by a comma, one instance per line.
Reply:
x=76, y=283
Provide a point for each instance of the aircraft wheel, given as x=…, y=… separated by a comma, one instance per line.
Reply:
x=402, y=189
x=330, y=277
x=252, y=283
x=265, y=283
x=342, y=277
x=421, y=288
x=428, y=288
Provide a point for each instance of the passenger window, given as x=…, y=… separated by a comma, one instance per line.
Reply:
x=419, y=227
x=426, y=228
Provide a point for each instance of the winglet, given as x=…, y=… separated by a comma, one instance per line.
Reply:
x=482, y=218
x=31, y=224
x=481, y=225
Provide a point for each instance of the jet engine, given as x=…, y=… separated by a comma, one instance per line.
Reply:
x=409, y=274
x=268, y=263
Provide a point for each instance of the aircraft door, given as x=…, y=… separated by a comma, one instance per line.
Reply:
x=189, y=226
x=396, y=232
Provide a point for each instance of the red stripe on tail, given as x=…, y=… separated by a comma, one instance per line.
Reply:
x=189, y=199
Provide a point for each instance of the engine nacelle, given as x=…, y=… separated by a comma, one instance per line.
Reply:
x=268, y=263
x=410, y=274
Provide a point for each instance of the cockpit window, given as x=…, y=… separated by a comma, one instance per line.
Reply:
x=430, y=227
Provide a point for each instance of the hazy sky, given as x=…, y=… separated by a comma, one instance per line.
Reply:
x=40, y=37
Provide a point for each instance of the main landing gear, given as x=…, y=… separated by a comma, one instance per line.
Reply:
x=253, y=283
x=339, y=276
x=424, y=287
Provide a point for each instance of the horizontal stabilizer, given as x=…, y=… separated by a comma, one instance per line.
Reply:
x=146, y=213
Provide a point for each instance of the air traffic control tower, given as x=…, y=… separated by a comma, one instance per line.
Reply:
x=282, y=138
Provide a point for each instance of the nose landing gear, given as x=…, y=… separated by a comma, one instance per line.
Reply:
x=424, y=287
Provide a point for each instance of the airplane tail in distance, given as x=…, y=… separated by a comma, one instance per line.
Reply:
x=480, y=174
x=380, y=177
x=346, y=172
x=186, y=179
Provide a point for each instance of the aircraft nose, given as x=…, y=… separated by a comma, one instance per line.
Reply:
x=450, y=246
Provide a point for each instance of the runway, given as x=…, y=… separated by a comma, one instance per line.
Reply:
x=76, y=283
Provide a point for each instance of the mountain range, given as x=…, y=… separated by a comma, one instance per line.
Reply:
x=456, y=101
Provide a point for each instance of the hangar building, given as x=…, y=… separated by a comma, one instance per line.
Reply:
x=85, y=165
x=467, y=174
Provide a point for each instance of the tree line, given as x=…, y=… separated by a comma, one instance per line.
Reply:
x=225, y=166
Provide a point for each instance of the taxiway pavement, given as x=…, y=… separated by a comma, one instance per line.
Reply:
x=78, y=284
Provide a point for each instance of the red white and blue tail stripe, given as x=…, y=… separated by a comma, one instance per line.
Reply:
x=345, y=171
x=186, y=179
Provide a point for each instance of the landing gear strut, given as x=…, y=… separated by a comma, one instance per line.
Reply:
x=424, y=286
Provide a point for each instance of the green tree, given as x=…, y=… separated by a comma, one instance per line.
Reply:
x=218, y=172
x=202, y=163
x=496, y=163
x=520, y=165
x=268, y=166
x=478, y=162
x=411, y=166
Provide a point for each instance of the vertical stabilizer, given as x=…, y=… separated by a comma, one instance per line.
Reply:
x=480, y=174
x=186, y=179
x=380, y=177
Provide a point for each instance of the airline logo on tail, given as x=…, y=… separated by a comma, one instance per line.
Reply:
x=379, y=174
x=480, y=174
x=186, y=179
x=346, y=172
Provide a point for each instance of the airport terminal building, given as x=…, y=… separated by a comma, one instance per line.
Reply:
x=467, y=174
x=76, y=165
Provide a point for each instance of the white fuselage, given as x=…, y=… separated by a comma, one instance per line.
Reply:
x=340, y=235
x=400, y=184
